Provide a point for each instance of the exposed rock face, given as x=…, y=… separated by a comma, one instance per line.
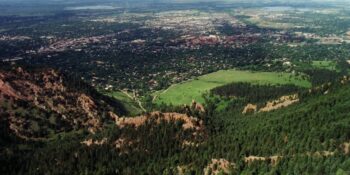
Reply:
x=273, y=160
x=86, y=103
x=89, y=107
x=321, y=154
x=121, y=142
x=346, y=147
x=250, y=108
x=91, y=142
x=181, y=170
x=126, y=143
x=197, y=106
x=284, y=101
x=251, y=159
x=345, y=79
x=113, y=116
x=218, y=166
x=189, y=122
x=47, y=103
x=7, y=90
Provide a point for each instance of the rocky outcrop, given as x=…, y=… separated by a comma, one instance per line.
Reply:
x=45, y=92
x=219, y=166
x=125, y=143
x=345, y=79
x=7, y=90
x=346, y=147
x=250, y=108
x=113, y=116
x=273, y=160
x=91, y=142
x=189, y=122
x=87, y=104
x=284, y=101
x=197, y=106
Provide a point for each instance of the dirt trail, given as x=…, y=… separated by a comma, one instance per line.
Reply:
x=163, y=92
x=135, y=99
x=166, y=90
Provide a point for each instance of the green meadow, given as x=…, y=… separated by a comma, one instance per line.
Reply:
x=330, y=65
x=184, y=93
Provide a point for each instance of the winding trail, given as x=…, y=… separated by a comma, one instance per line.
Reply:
x=135, y=99
x=166, y=90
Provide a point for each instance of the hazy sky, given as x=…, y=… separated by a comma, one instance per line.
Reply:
x=79, y=2
x=67, y=1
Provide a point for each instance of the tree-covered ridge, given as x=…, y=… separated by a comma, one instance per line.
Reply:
x=255, y=93
x=38, y=103
x=310, y=137
x=315, y=130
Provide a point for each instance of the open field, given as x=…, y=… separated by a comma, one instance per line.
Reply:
x=330, y=65
x=184, y=93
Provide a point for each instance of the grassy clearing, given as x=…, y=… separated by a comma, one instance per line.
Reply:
x=129, y=103
x=184, y=93
x=330, y=65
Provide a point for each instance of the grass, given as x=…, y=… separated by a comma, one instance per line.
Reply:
x=129, y=103
x=185, y=92
x=330, y=65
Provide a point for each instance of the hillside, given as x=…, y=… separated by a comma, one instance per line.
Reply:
x=184, y=93
x=175, y=87
x=37, y=104
x=309, y=136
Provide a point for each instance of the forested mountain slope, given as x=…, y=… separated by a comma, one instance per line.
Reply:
x=311, y=136
x=38, y=103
